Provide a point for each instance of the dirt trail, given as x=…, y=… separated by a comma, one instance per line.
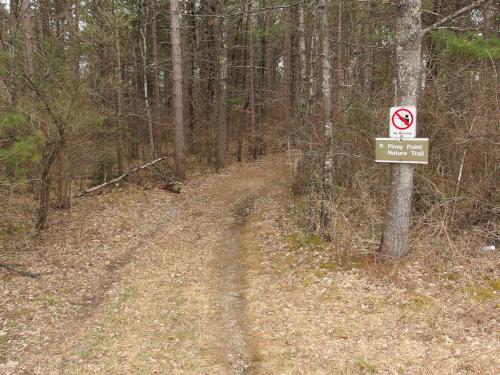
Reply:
x=179, y=306
x=235, y=346
x=222, y=280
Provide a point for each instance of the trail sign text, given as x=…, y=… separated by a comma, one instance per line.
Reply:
x=414, y=150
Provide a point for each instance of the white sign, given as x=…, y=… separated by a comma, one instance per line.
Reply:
x=403, y=122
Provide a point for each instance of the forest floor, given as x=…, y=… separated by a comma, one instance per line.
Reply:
x=220, y=279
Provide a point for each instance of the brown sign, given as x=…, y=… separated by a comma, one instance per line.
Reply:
x=405, y=150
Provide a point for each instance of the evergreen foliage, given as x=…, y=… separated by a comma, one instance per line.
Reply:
x=469, y=46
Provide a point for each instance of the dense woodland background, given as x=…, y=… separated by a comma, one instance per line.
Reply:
x=87, y=93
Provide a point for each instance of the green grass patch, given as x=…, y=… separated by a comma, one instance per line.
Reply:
x=481, y=293
x=494, y=284
x=4, y=344
x=451, y=276
x=305, y=242
x=46, y=299
x=420, y=303
x=364, y=365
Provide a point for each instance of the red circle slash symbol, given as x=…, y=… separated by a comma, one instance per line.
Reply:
x=406, y=118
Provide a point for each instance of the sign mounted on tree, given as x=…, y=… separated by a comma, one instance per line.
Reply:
x=412, y=151
x=403, y=122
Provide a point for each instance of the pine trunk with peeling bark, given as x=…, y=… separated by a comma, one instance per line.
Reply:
x=177, y=93
x=395, y=242
x=325, y=212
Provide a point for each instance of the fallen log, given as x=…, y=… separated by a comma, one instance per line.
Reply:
x=118, y=179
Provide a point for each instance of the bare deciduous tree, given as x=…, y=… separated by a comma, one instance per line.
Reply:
x=177, y=79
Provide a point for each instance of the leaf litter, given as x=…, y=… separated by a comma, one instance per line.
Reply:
x=134, y=283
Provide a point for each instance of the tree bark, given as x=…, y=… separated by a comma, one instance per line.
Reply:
x=51, y=152
x=119, y=104
x=13, y=30
x=340, y=70
x=325, y=211
x=303, y=71
x=263, y=39
x=152, y=150
x=251, y=94
x=222, y=136
x=25, y=14
x=177, y=80
x=369, y=30
x=270, y=56
x=287, y=60
x=489, y=13
x=191, y=86
x=398, y=214
x=156, y=80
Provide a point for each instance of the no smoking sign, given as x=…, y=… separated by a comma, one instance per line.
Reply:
x=403, y=122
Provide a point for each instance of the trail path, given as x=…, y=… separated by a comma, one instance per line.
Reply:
x=180, y=304
x=222, y=280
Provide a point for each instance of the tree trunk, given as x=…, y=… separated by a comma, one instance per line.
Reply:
x=489, y=14
x=397, y=221
x=325, y=212
x=152, y=150
x=340, y=67
x=287, y=60
x=270, y=56
x=156, y=80
x=303, y=71
x=27, y=27
x=74, y=20
x=251, y=63
x=51, y=152
x=191, y=86
x=177, y=93
x=370, y=52
x=119, y=104
x=222, y=136
x=263, y=39
x=13, y=21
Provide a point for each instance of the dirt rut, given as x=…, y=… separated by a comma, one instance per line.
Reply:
x=234, y=345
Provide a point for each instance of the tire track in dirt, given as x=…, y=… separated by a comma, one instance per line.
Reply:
x=234, y=346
